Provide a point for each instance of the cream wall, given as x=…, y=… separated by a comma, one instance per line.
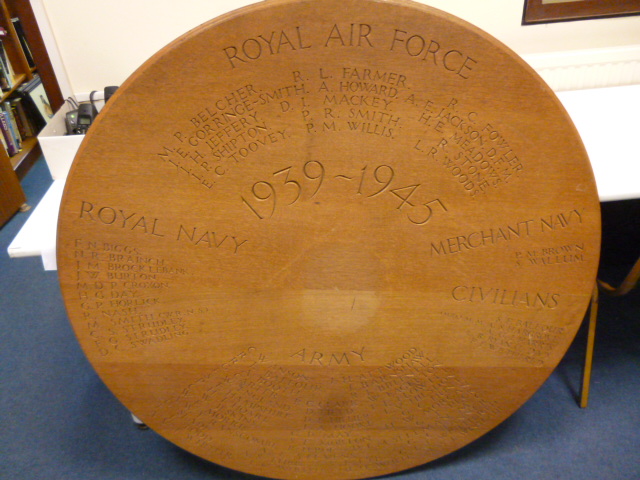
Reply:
x=101, y=42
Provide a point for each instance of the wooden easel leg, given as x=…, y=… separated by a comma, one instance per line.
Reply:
x=588, y=359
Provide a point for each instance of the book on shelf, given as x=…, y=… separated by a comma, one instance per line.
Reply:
x=7, y=74
x=5, y=84
x=24, y=114
x=25, y=126
x=35, y=102
x=7, y=132
x=3, y=142
x=23, y=41
x=7, y=111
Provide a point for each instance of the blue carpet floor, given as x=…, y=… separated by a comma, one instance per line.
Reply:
x=58, y=421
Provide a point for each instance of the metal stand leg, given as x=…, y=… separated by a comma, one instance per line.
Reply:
x=588, y=359
x=625, y=287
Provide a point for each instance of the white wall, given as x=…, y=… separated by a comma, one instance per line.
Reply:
x=101, y=42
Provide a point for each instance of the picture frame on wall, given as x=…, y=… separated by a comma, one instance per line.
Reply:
x=548, y=11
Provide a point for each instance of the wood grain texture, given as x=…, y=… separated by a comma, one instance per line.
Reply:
x=11, y=194
x=328, y=239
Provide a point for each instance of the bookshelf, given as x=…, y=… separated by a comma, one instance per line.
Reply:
x=20, y=69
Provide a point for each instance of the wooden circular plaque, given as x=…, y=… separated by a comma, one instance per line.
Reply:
x=329, y=238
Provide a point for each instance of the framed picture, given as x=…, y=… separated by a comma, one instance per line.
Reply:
x=547, y=11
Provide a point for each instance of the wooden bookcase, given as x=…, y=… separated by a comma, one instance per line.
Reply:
x=13, y=168
x=11, y=194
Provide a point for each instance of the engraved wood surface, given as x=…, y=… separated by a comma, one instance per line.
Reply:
x=329, y=238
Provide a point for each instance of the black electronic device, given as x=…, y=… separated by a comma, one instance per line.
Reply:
x=86, y=114
x=108, y=91
x=80, y=118
x=71, y=121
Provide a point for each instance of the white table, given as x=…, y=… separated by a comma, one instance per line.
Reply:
x=608, y=122
x=38, y=235
x=606, y=118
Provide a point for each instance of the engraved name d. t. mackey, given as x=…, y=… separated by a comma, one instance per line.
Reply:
x=328, y=239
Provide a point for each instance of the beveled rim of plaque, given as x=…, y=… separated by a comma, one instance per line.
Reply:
x=328, y=239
